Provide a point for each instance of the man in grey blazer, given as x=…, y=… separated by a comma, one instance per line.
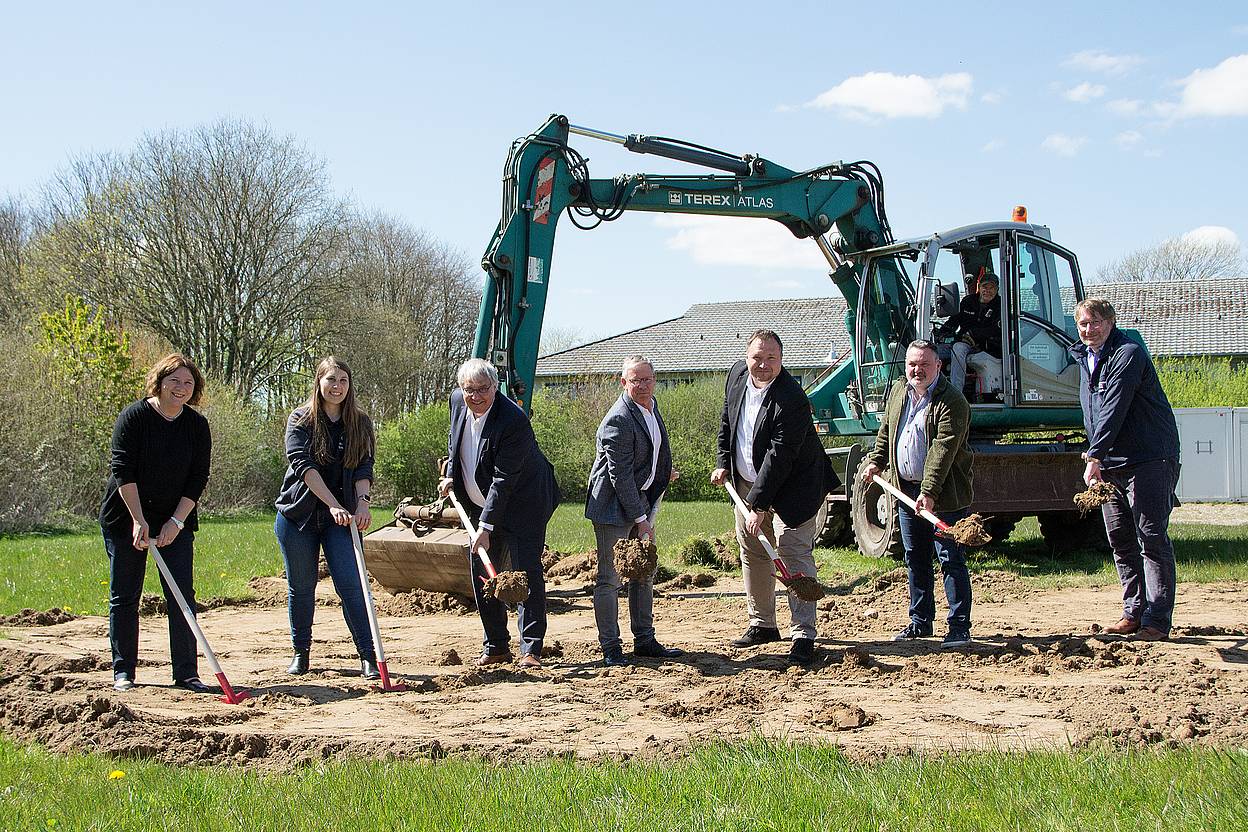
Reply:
x=632, y=468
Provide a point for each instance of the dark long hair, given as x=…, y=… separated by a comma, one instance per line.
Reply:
x=357, y=427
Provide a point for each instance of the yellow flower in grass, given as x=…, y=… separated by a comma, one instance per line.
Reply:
x=116, y=774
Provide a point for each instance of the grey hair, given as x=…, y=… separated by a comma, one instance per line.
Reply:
x=633, y=361
x=474, y=369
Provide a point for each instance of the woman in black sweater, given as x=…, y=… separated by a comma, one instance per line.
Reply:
x=329, y=444
x=159, y=468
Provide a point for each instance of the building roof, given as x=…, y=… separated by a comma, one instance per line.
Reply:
x=710, y=336
x=1183, y=318
x=1175, y=318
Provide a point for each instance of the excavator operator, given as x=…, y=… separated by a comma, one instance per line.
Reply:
x=976, y=330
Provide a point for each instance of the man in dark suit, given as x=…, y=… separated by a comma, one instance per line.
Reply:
x=769, y=449
x=632, y=468
x=508, y=488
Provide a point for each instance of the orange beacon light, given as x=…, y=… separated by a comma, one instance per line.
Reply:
x=1020, y=213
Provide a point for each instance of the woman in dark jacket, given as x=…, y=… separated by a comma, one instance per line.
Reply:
x=329, y=444
x=159, y=468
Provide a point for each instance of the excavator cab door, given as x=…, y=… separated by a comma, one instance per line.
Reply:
x=887, y=309
x=1039, y=318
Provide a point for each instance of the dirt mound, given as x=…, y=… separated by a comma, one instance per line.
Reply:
x=685, y=580
x=449, y=659
x=635, y=560
x=842, y=717
x=508, y=587
x=420, y=602
x=37, y=618
x=561, y=566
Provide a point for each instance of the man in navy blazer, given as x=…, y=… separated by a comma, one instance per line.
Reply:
x=508, y=488
x=769, y=449
x=632, y=468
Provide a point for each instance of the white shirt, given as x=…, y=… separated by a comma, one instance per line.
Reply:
x=652, y=426
x=751, y=403
x=469, y=445
x=1093, y=358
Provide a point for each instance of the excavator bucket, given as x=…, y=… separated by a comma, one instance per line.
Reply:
x=425, y=548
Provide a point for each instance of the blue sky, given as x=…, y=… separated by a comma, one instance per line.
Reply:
x=1119, y=125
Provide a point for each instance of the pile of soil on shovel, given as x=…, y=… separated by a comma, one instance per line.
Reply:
x=970, y=531
x=508, y=587
x=806, y=588
x=635, y=560
x=1098, y=494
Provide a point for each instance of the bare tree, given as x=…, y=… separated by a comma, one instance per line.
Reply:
x=414, y=306
x=14, y=237
x=1176, y=259
x=559, y=338
x=225, y=240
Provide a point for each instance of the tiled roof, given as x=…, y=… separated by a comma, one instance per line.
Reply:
x=711, y=336
x=1183, y=318
x=1175, y=318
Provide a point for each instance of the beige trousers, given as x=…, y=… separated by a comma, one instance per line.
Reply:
x=795, y=545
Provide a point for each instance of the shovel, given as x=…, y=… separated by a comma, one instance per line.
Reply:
x=803, y=586
x=513, y=592
x=386, y=685
x=231, y=696
x=472, y=532
x=967, y=531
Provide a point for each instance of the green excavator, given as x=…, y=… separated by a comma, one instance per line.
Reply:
x=1026, y=425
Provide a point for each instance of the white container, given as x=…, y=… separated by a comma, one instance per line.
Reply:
x=1212, y=444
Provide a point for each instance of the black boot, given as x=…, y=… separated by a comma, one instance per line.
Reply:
x=368, y=667
x=299, y=664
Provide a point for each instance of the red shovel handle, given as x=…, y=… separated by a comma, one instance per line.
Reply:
x=924, y=513
x=472, y=532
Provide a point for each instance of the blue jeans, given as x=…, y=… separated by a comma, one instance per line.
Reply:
x=1137, y=521
x=919, y=538
x=126, y=568
x=299, y=551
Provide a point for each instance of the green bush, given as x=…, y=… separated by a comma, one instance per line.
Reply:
x=408, y=450
x=1204, y=382
x=248, y=452
x=691, y=413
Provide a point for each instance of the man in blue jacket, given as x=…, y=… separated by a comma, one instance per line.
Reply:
x=1133, y=443
x=632, y=468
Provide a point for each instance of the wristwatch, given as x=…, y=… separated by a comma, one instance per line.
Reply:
x=177, y=522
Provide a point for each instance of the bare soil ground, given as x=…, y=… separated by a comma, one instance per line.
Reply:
x=1038, y=676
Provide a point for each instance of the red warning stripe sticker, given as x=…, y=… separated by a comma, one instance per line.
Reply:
x=545, y=185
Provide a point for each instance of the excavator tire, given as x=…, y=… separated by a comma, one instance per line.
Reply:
x=873, y=514
x=1066, y=531
x=833, y=523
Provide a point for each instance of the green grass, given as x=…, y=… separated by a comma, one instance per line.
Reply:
x=757, y=785
x=68, y=569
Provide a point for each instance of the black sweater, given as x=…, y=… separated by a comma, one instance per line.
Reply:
x=166, y=460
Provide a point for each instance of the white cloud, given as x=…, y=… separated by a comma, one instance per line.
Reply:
x=1063, y=145
x=1084, y=92
x=739, y=241
x=886, y=95
x=991, y=98
x=1221, y=91
x=1097, y=60
x=992, y=145
x=1125, y=106
x=1211, y=235
x=1128, y=138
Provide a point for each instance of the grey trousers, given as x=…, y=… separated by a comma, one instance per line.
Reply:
x=606, y=593
x=796, y=547
x=1137, y=521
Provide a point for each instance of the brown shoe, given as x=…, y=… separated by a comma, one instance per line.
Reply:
x=530, y=662
x=1124, y=627
x=486, y=659
x=1151, y=634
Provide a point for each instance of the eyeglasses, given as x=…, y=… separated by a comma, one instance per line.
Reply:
x=640, y=382
x=477, y=391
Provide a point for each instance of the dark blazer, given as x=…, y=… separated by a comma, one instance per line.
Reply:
x=947, y=470
x=517, y=480
x=980, y=321
x=1125, y=410
x=296, y=501
x=794, y=472
x=622, y=460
